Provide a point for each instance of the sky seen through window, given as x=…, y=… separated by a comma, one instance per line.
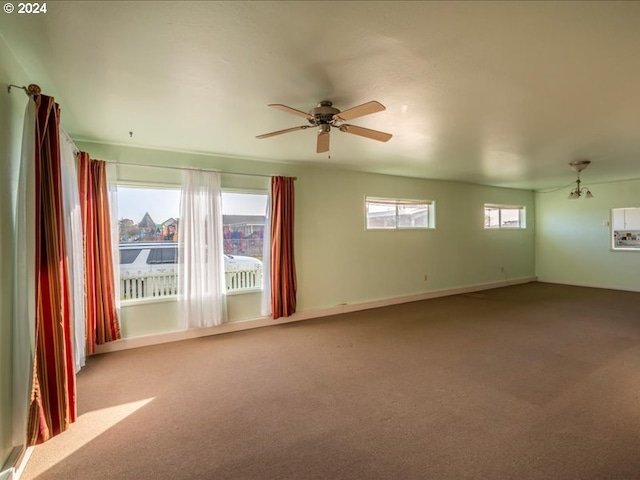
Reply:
x=164, y=203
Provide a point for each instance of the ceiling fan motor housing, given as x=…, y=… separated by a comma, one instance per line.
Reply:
x=323, y=114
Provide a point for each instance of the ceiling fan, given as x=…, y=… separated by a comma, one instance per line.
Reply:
x=324, y=116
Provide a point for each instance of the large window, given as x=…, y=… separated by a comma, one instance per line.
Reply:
x=148, y=227
x=392, y=213
x=625, y=228
x=504, y=216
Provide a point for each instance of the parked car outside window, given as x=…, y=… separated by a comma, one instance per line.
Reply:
x=151, y=270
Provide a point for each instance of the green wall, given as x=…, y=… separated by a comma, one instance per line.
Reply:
x=12, y=109
x=341, y=262
x=573, y=242
x=338, y=261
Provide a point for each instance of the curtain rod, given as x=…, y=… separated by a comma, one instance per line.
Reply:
x=189, y=168
x=34, y=89
x=76, y=150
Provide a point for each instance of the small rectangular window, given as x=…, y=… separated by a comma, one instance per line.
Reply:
x=391, y=213
x=504, y=216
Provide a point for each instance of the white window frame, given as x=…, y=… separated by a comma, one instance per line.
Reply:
x=522, y=216
x=397, y=202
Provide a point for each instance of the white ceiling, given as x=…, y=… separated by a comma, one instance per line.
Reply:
x=495, y=93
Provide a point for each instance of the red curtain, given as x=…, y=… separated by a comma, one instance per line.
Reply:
x=101, y=314
x=52, y=405
x=283, y=269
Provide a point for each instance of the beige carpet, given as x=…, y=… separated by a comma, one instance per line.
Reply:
x=535, y=381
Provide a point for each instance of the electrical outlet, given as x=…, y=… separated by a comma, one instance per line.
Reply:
x=426, y=277
x=502, y=269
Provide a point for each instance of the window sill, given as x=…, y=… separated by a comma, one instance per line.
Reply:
x=174, y=298
x=397, y=229
x=505, y=228
x=145, y=301
x=242, y=292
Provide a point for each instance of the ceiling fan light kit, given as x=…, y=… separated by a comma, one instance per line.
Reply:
x=578, y=166
x=325, y=115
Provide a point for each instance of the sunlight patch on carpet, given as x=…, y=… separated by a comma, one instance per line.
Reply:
x=87, y=427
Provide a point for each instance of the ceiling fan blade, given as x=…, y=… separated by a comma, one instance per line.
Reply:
x=323, y=142
x=360, y=110
x=284, y=108
x=366, y=132
x=280, y=132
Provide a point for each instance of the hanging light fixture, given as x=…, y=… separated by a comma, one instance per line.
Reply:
x=577, y=166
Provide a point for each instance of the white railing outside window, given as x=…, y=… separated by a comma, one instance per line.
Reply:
x=164, y=283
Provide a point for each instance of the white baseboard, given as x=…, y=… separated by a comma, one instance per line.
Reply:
x=590, y=285
x=149, y=340
x=15, y=463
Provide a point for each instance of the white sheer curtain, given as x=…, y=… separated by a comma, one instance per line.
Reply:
x=73, y=235
x=202, y=291
x=112, y=185
x=24, y=314
x=265, y=303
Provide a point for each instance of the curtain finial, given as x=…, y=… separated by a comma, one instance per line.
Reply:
x=31, y=90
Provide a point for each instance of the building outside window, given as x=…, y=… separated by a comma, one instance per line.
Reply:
x=148, y=214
